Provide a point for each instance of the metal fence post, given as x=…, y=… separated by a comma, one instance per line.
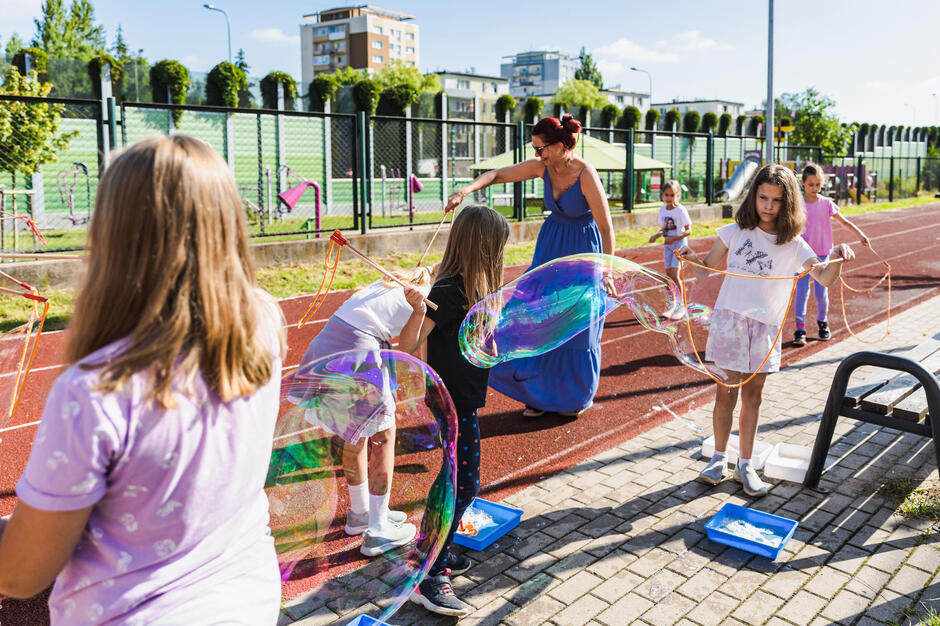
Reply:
x=859, y=181
x=261, y=208
x=363, y=124
x=518, y=201
x=917, y=187
x=891, y=179
x=629, y=174
x=709, y=167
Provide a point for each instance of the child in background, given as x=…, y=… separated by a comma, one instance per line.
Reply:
x=369, y=320
x=818, y=234
x=763, y=241
x=144, y=493
x=471, y=269
x=674, y=227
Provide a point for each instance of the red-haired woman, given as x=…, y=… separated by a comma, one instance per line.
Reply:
x=565, y=379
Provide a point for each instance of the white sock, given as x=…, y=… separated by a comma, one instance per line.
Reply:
x=743, y=463
x=359, y=498
x=720, y=457
x=378, y=511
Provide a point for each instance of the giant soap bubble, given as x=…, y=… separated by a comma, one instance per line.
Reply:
x=325, y=404
x=547, y=306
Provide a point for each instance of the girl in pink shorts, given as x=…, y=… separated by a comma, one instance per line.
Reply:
x=764, y=241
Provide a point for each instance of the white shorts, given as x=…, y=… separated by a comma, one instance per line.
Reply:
x=740, y=344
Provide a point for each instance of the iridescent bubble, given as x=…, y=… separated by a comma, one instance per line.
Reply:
x=552, y=303
x=335, y=401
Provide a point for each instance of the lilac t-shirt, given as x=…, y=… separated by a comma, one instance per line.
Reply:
x=818, y=231
x=179, y=511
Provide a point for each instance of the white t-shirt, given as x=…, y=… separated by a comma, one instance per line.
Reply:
x=756, y=253
x=673, y=222
x=378, y=310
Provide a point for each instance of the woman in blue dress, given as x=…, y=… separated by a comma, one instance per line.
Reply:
x=565, y=379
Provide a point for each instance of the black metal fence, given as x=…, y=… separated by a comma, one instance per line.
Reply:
x=309, y=173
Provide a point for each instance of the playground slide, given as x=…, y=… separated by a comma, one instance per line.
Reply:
x=743, y=174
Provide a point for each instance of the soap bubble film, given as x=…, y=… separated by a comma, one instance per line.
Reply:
x=325, y=404
x=547, y=306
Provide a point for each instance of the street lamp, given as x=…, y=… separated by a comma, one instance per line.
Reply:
x=650, y=76
x=228, y=27
x=936, y=117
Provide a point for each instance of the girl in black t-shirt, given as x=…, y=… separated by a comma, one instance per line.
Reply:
x=471, y=269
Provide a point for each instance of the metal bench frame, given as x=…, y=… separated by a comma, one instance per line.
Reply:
x=930, y=427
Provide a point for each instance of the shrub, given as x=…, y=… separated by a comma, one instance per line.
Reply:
x=269, y=85
x=223, y=83
x=322, y=88
x=754, y=124
x=38, y=59
x=724, y=124
x=366, y=95
x=398, y=98
x=95, y=66
x=709, y=122
x=169, y=81
x=533, y=107
x=504, y=104
x=672, y=119
x=691, y=121
x=631, y=117
x=739, y=124
x=609, y=115
x=652, y=118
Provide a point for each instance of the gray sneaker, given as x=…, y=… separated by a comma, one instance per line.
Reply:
x=753, y=486
x=357, y=524
x=715, y=471
x=393, y=535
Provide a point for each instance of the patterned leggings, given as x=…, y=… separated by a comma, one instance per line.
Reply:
x=468, y=478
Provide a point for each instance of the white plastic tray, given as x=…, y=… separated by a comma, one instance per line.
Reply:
x=761, y=453
x=788, y=461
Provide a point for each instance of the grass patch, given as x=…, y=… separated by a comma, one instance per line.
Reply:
x=914, y=501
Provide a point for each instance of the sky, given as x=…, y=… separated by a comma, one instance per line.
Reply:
x=876, y=59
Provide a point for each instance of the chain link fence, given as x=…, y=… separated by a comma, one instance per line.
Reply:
x=306, y=173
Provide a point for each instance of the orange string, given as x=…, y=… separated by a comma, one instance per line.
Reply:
x=843, y=286
x=688, y=321
x=33, y=226
x=327, y=269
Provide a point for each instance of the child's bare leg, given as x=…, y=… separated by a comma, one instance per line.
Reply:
x=723, y=414
x=751, y=394
x=382, y=462
x=355, y=464
x=673, y=274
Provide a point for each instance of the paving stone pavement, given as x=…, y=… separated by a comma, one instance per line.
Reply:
x=620, y=538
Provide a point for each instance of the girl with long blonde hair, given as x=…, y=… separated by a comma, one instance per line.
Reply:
x=143, y=497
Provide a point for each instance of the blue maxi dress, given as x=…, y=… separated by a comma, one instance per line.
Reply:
x=566, y=378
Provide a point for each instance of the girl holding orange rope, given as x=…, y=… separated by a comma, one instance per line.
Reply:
x=744, y=334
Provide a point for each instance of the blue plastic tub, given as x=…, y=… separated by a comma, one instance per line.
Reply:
x=777, y=530
x=365, y=620
x=506, y=518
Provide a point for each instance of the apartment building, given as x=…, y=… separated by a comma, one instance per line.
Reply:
x=471, y=95
x=537, y=73
x=718, y=107
x=360, y=37
x=621, y=98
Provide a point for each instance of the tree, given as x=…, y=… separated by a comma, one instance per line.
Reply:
x=533, y=107
x=709, y=122
x=169, y=81
x=400, y=73
x=322, y=88
x=691, y=121
x=739, y=123
x=724, y=124
x=29, y=132
x=631, y=117
x=609, y=115
x=240, y=61
x=652, y=118
x=223, y=84
x=347, y=76
x=504, y=104
x=366, y=95
x=69, y=35
x=815, y=122
x=14, y=45
x=672, y=119
x=588, y=70
x=579, y=93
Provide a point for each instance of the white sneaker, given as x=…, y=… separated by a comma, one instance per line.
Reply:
x=715, y=471
x=753, y=485
x=357, y=524
x=391, y=537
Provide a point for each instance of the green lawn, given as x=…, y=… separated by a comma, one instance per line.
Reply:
x=298, y=278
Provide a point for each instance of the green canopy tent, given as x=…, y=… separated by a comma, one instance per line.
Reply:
x=605, y=157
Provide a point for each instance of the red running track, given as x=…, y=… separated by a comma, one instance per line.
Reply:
x=639, y=376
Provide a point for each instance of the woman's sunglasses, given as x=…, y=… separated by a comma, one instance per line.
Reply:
x=538, y=150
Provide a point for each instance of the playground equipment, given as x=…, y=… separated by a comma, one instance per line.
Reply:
x=66, y=181
x=291, y=196
x=391, y=189
x=414, y=186
x=743, y=174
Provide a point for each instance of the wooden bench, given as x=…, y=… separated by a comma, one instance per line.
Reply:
x=902, y=393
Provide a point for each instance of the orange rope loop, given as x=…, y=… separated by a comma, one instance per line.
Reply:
x=328, y=268
x=843, y=286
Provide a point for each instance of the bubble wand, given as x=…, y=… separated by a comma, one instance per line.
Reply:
x=437, y=230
